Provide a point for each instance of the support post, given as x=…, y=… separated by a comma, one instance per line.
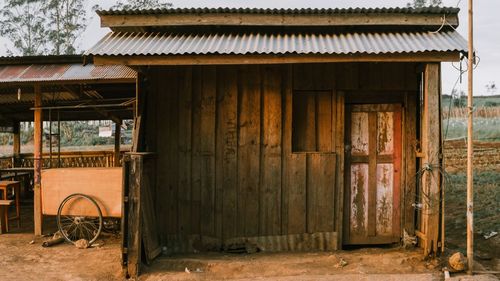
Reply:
x=470, y=149
x=38, y=131
x=118, y=129
x=430, y=191
x=16, y=149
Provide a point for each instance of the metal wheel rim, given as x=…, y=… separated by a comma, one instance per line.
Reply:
x=73, y=227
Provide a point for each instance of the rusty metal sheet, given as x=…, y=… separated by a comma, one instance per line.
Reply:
x=385, y=133
x=359, y=198
x=64, y=72
x=359, y=133
x=385, y=176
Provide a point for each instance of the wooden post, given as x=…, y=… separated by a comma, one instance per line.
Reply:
x=16, y=143
x=38, y=160
x=430, y=192
x=470, y=149
x=118, y=127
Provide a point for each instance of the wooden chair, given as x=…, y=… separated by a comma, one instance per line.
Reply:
x=4, y=215
x=15, y=185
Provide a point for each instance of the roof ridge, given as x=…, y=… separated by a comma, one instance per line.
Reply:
x=350, y=10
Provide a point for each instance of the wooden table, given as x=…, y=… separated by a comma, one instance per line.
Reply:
x=4, y=187
x=24, y=175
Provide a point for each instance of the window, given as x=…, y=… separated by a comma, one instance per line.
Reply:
x=312, y=121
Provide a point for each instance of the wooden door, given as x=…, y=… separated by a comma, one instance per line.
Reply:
x=373, y=172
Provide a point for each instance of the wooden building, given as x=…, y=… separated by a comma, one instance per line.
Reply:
x=290, y=129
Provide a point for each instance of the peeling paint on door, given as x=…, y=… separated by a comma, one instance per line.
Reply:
x=359, y=198
x=385, y=133
x=359, y=133
x=385, y=175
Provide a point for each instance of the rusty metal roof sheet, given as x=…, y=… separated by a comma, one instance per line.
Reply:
x=63, y=72
x=392, y=10
x=29, y=98
x=124, y=44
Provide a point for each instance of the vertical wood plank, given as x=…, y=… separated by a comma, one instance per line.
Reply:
x=270, y=192
x=184, y=150
x=196, y=156
x=37, y=154
x=249, y=150
x=431, y=149
x=294, y=171
x=339, y=148
x=207, y=146
x=170, y=84
x=372, y=172
x=410, y=162
x=320, y=192
x=134, y=217
x=226, y=159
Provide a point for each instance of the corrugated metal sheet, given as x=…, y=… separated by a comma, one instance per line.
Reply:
x=405, y=10
x=29, y=98
x=123, y=44
x=63, y=72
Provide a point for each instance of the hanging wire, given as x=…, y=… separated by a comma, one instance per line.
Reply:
x=420, y=198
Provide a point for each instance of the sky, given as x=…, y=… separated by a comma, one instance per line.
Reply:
x=486, y=31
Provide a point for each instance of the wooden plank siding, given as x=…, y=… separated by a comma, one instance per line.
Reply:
x=226, y=168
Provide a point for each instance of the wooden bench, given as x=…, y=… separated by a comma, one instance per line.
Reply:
x=4, y=215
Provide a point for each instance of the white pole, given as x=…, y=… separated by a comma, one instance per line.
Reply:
x=470, y=187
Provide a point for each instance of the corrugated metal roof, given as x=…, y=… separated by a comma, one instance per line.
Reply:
x=405, y=10
x=29, y=98
x=123, y=44
x=63, y=72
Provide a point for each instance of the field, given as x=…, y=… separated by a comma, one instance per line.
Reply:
x=486, y=200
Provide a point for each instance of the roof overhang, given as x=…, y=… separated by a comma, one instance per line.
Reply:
x=276, y=48
x=138, y=60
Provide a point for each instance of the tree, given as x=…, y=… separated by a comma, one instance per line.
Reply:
x=67, y=20
x=140, y=4
x=491, y=88
x=24, y=25
x=424, y=3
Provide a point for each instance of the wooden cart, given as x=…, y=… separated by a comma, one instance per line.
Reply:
x=80, y=198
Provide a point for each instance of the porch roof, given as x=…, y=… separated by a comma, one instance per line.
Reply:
x=75, y=91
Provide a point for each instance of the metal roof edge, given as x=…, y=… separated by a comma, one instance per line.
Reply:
x=41, y=59
x=281, y=11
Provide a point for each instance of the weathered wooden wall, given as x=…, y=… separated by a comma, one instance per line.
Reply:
x=223, y=136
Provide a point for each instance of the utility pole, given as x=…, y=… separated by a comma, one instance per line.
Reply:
x=470, y=186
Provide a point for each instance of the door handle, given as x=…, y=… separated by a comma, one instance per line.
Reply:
x=347, y=148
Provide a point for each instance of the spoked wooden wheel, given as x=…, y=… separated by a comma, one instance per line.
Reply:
x=79, y=217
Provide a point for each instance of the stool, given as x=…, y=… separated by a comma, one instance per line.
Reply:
x=4, y=187
x=4, y=215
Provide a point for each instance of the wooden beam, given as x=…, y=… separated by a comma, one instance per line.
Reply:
x=80, y=94
x=310, y=20
x=273, y=59
x=431, y=149
x=38, y=132
x=16, y=144
x=118, y=129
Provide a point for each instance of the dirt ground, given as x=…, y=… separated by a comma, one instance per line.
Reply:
x=23, y=257
x=23, y=260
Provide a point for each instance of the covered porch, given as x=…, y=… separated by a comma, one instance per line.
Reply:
x=44, y=91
